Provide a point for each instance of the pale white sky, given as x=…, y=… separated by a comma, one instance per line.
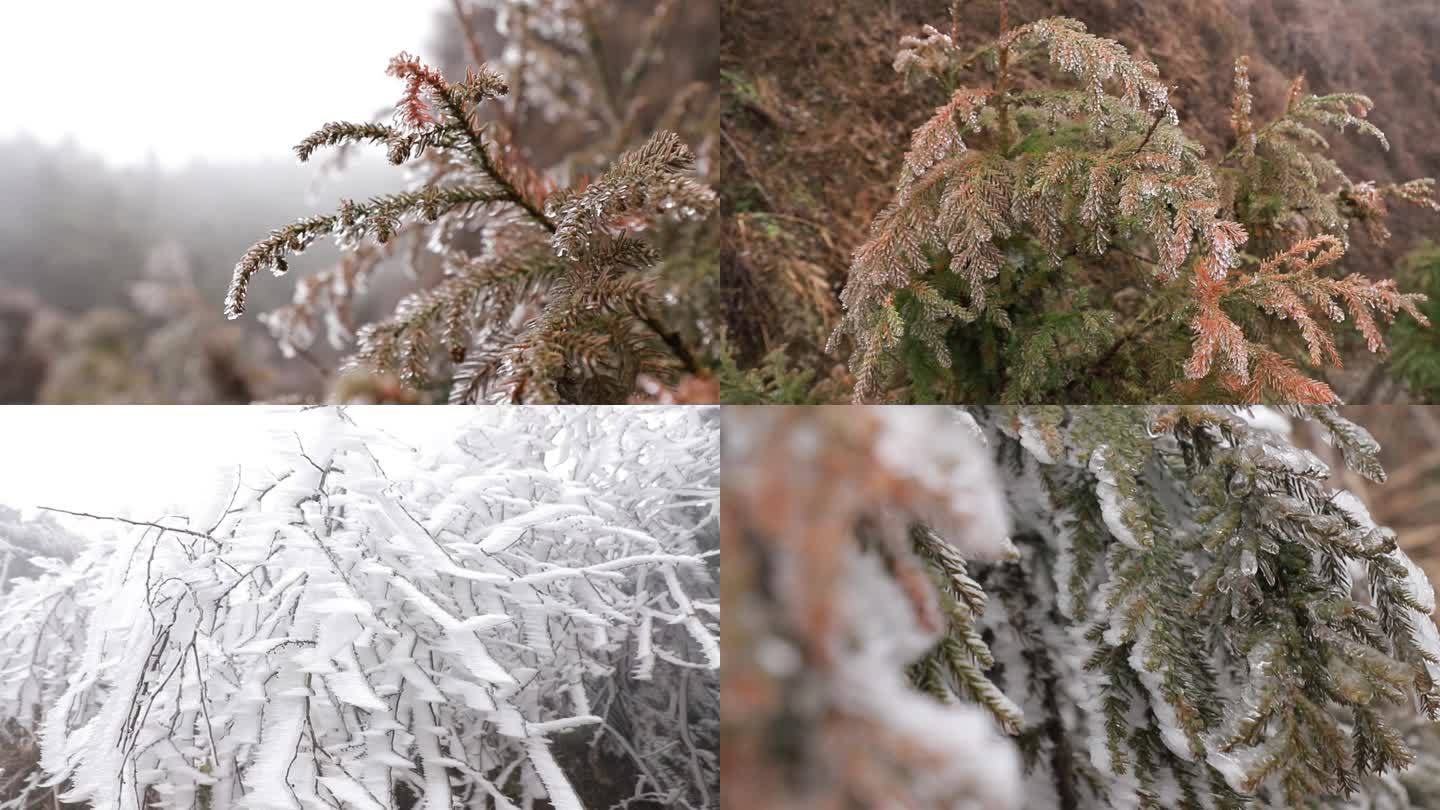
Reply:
x=138, y=460
x=187, y=79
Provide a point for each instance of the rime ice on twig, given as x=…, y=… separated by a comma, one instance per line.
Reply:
x=523, y=320
x=343, y=631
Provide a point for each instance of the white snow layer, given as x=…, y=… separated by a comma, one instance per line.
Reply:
x=1033, y=442
x=1261, y=417
x=928, y=445
x=1112, y=504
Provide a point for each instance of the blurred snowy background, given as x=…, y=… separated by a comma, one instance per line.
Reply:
x=142, y=462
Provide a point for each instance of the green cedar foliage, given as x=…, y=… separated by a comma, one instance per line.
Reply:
x=1195, y=620
x=774, y=382
x=1064, y=240
x=1416, y=360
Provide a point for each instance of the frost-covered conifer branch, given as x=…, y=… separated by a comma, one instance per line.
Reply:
x=1288, y=287
x=1211, y=532
x=1187, y=613
x=379, y=217
x=1012, y=195
x=655, y=180
x=495, y=304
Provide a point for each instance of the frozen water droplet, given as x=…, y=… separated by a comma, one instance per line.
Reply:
x=1248, y=564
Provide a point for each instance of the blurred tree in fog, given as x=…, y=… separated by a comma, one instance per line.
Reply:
x=591, y=79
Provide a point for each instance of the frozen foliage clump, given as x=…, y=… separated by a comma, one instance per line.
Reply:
x=1054, y=183
x=826, y=572
x=43, y=571
x=501, y=621
x=1194, y=619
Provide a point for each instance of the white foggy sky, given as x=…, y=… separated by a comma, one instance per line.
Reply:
x=215, y=79
x=138, y=460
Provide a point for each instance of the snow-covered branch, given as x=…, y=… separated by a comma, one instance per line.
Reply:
x=459, y=625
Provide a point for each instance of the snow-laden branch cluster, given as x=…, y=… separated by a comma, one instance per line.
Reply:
x=469, y=627
x=1161, y=607
x=1196, y=618
x=42, y=630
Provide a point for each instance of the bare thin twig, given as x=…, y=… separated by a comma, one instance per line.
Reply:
x=472, y=42
x=1154, y=125
x=149, y=524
